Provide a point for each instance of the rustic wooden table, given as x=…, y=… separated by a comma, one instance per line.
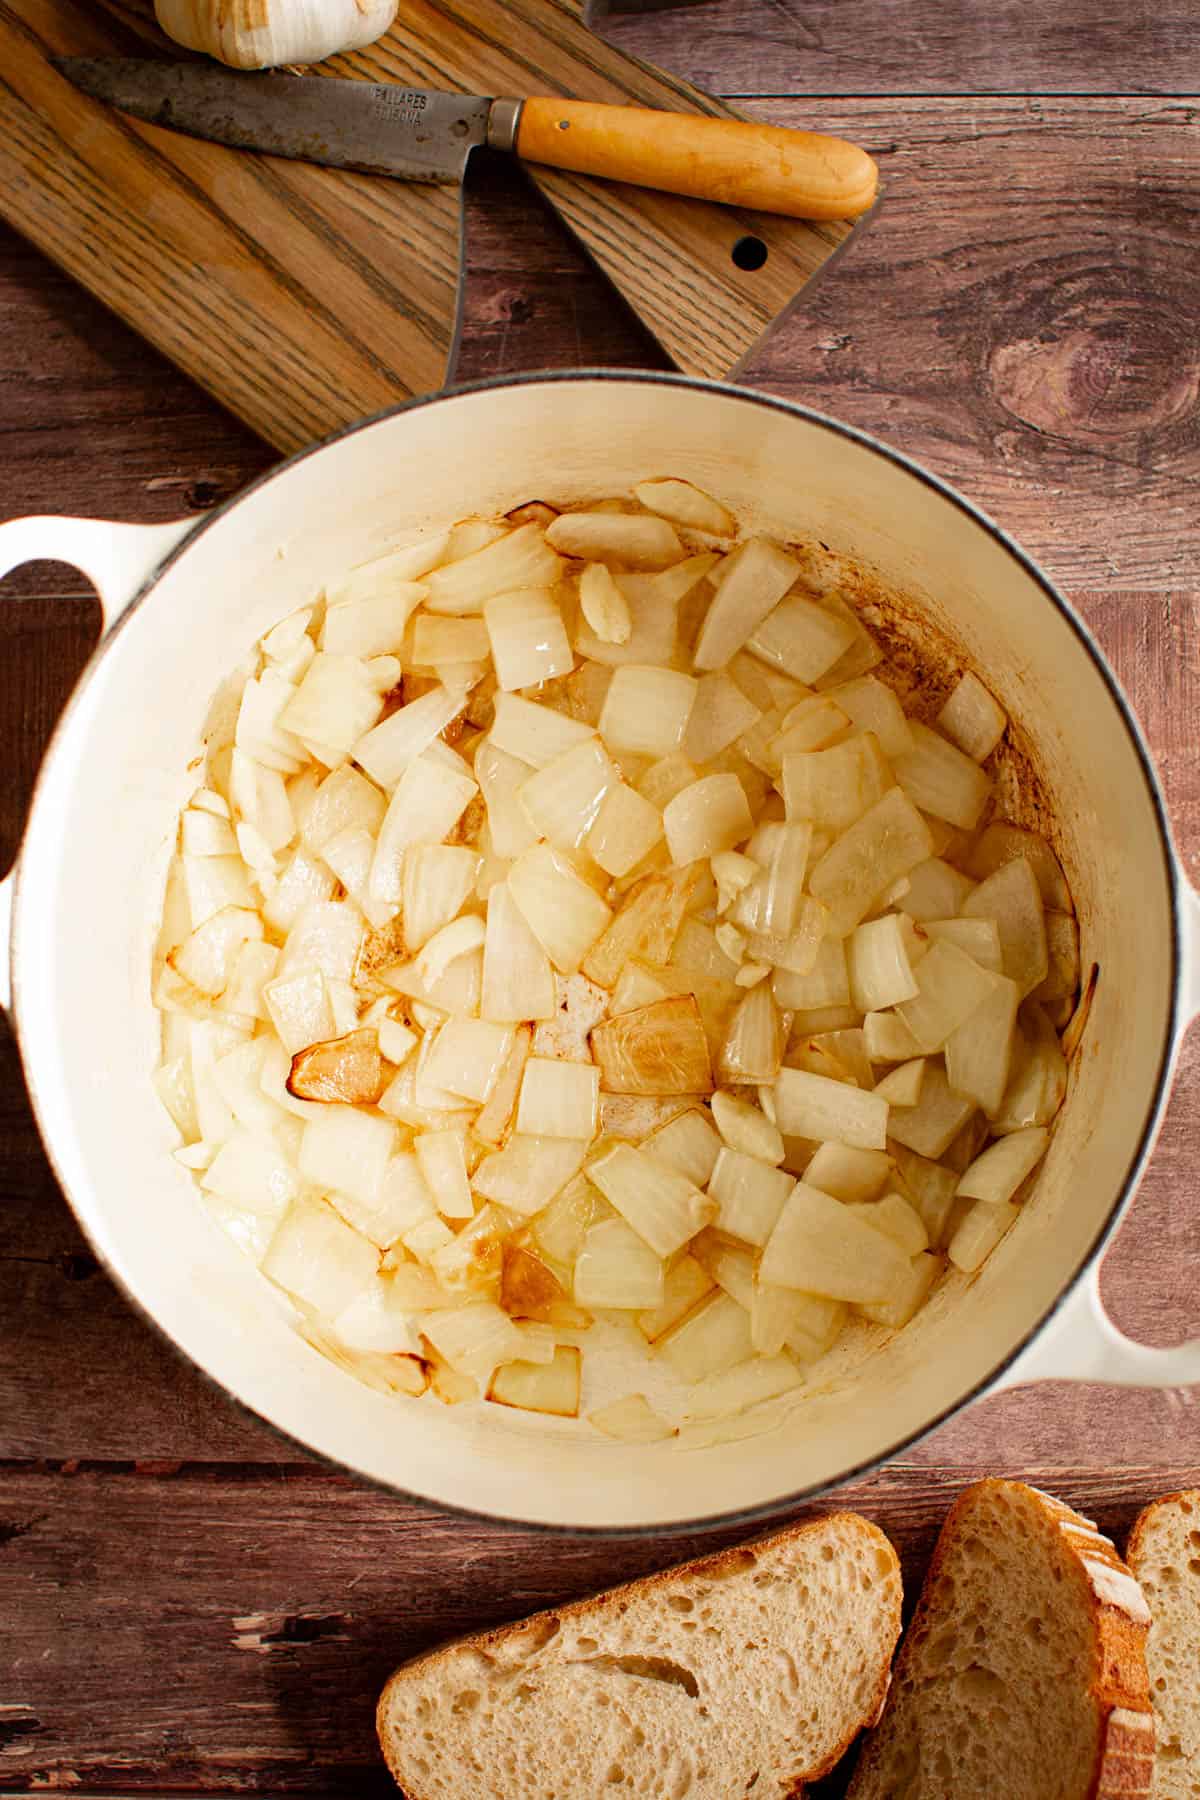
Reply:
x=186, y=1604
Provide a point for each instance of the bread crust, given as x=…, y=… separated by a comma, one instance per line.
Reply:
x=718, y=1563
x=1136, y=1545
x=1118, y=1683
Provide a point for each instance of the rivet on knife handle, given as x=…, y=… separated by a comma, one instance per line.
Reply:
x=764, y=167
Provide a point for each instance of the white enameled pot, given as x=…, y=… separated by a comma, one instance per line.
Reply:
x=181, y=605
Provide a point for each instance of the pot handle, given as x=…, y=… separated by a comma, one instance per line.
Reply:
x=1081, y=1343
x=118, y=560
x=1191, y=950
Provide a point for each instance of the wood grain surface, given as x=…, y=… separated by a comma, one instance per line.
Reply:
x=304, y=297
x=186, y=1607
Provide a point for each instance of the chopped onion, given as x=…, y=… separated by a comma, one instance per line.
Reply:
x=558, y=1099
x=998, y=1172
x=881, y=973
x=950, y=988
x=1002, y=843
x=979, y=938
x=631, y=1420
x=562, y=799
x=931, y=1188
x=440, y=642
x=561, y=909
x=822, y=1246
x=813, y=1106
x=941, y=780
x=825, y=983
x=750, y=1195
x=666, y=778
x=535, y=734
x=625, y=831
x=895, y=1313
x=714, y=1337
x=494, y=1122
x=369, y=624
x=710, y=815
x=898, y=1220
x=436, y=882
x=335, y=704
x=317, y=1257
x=345, y=801
x=213, y=883
x=251, y=1170
x=902, y=1085
x=719, y=716
x=645, y=926
x=647, y=709
x=812, y=724
x=935, y=890
x=443, y=1166
x=978, y=1232
x=753, y=1046
x=518, y=982
x=299, y=1009
x=615, y=1268
x=754, y=579
x=685, y=505
x=629, y=538
x=687, y=1144
x=205, y=834
x=543, y=1388
x=661, y=1205
x=832, y=788
x=428, y=801
x=747, y=1384
x=885, y=843
x=1013, y=899
x=802, y=638
x=528, y=1172
x=207, y=959
x=979, y=1053
x=940, y=1113
x=386, y=751
x=259, y=731
x=973, y=719
x=467, y=1057
x=528, y=639
x=886, y=1038
x=1062, y=948
x=871, y=705
x=660, y=1048
x=474, y=1339
x=519, y=559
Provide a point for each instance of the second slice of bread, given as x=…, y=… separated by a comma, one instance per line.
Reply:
x=749, y=1672
x=1023, y=1674
x=1164, y=1554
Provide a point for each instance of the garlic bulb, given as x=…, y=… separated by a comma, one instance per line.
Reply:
x=261, y=34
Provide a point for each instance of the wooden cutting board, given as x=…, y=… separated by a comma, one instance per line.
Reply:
x=304, y=297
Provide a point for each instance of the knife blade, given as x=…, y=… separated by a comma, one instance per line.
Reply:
x=421, y=134
x=412, y=134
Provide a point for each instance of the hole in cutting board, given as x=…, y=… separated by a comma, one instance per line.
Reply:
x=749, y=253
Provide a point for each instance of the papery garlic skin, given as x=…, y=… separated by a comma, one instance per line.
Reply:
x=262, y=34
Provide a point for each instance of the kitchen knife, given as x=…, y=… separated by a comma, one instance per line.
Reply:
x=417, y=134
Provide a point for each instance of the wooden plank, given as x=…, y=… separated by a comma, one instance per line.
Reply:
x=1021, y=318
x=745, y=47
x=217, y=1629
x=1051, y=367
x=304, y=297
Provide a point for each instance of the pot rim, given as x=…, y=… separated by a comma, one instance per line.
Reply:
x=768, y=1510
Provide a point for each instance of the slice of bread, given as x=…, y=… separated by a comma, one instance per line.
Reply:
x=1023, y=1674
x=748, y=1672
x=1164, y=1554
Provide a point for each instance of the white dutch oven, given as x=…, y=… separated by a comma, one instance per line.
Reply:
x=182, y=602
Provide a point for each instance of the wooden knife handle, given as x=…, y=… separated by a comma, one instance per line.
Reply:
x=763, y=167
